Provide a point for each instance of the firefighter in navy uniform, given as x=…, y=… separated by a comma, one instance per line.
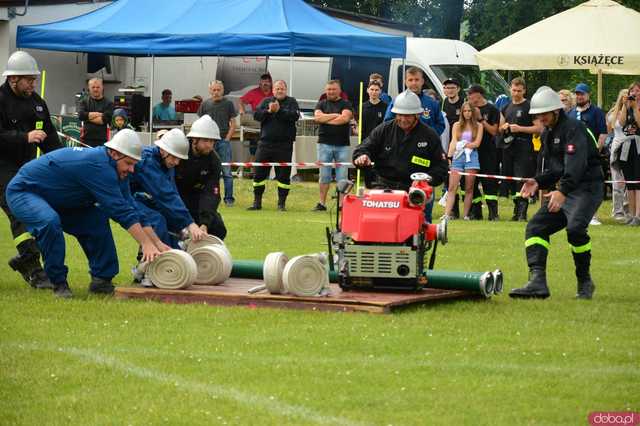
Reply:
x=570, y=163
x=403, y=146
x=198, y=177
x=155, y=192
x=277, y=115
x=25, y=125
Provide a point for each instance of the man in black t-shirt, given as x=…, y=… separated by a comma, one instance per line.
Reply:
x=489, y=117
x=453, y=101
x=451, y=106
x=373, y=110
x=518, y=157
x=334, y=115
x=372, y=115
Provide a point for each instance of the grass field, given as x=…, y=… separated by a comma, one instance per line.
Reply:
x=98, y=361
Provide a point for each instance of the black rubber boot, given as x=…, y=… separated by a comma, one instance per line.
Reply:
x=585, y=286
x=476, y=211
x=28, y=265
x=492, y=206
x=101, y=286
x=62, y=291
x=523, y=207
x=282, y=199
x=536, y=287
x=516, y=210
x=40, y=280
x=257, y=203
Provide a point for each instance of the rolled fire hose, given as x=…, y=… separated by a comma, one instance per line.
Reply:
x=273, y=270
x=214, y=264
x=206, y=241
x=306, y=275
x=448, y=280
x=172, y=270
x=482, y=282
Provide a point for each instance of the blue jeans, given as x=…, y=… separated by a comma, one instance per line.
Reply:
x=462, y=165
x=428, y=208
x=330, y=153
x=223, y=148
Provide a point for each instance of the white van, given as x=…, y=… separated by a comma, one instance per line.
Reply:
x=439, y=59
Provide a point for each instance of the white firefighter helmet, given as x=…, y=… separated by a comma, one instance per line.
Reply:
x=544, y=100
x=204, y=127
x=175, y=143
x=21, y=63
x=407, y=102
x=126, y=142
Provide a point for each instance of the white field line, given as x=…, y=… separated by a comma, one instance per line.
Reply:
x=528, y=363
x=270, y=404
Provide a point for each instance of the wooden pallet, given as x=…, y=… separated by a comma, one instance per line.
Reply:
x=234, y=293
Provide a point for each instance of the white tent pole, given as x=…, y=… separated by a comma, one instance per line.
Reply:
x=600, y=87
x=291, y=74
x=294, y=170
x=153, y=69
x=404, y=84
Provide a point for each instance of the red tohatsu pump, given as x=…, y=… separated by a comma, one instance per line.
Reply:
x=382, y=240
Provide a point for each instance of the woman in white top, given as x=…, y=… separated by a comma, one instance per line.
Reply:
x=466, y=136
x=613, y=125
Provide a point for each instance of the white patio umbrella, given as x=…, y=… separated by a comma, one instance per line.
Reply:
x=599, y=35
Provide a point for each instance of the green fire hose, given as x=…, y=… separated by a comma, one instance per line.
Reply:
x=247, y=269
x=485, y=283
x=482, y=282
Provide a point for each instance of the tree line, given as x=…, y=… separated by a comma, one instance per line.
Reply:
x=484, y=22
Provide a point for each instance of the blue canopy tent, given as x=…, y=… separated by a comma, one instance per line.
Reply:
x=209, y=28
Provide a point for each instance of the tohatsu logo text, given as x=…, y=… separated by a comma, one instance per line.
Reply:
x=381, y=204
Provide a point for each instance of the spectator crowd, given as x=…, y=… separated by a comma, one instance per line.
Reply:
x=463, y=141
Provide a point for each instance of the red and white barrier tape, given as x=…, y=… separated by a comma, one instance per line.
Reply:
x=318, y=164
x=521, y=179
x=74, y=140
x=311, y=165
x=490, y=176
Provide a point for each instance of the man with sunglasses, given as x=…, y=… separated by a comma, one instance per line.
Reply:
x=593, y=117
x=25, y=126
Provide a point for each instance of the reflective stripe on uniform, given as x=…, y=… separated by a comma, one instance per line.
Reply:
x=261, y=183
x=582, y=248
x=537, y=240
x=491, y=197
x=516, y=196
x=420, y=161
x=477, y=200
x=595, y=141
x=283, y=185
x=21, y=238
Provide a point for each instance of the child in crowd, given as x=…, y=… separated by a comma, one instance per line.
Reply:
x=119, y=121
